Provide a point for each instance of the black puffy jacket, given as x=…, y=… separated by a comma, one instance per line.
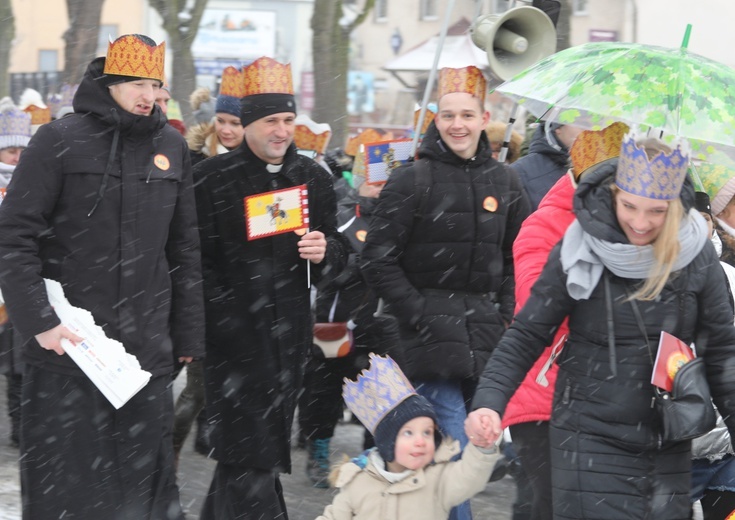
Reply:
x=444, y=264
x=102, y=201
x=541, y=168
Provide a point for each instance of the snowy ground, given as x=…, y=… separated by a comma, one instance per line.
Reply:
x=9, y=481
x=303, y=501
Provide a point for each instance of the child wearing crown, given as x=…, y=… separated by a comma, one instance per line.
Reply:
x=409, y=472
x=636, y=261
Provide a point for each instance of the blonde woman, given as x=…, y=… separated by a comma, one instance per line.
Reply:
x=635, y=262
x=223, y=133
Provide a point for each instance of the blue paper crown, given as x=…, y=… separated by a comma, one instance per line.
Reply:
x=660, y=178
x=377, y=390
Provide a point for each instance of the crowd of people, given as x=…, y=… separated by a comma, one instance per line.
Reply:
x=471, y=313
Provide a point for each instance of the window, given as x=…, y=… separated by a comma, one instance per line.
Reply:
x=499, y=6
x=381, y=10
x=107, y=32
x=428, y=10
x=580, y=7
x=48, y=61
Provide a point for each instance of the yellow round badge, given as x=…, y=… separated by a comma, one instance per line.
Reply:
x=360, y=235
x=161, y=162
x=490, y=204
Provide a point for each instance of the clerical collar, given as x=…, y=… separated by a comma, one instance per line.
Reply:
x=274, y=168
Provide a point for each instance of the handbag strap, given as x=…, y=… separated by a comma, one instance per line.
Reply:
x=610, y=326
x=639, y=320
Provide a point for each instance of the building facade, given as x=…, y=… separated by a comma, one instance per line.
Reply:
x=238, y=31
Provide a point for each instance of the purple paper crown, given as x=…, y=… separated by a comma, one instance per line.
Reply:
x=15, y=125
x=660, y=178
x=53, y=101
x=67, y=98
x=377, y=390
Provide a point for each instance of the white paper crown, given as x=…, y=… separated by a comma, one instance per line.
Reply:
x=15, y=125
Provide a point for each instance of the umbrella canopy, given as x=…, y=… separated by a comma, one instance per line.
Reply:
x=671, y=90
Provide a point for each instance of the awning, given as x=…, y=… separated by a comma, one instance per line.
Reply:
x=458, y=51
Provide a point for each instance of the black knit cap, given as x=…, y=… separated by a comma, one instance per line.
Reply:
x=258, y=106
x=388, y=428
x=702, y=203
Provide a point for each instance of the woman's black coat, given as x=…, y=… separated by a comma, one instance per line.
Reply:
x=608, y=460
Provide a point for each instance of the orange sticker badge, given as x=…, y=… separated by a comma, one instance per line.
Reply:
x=674, y=363
x=360, y=235
x=490, y=204
x=161, y=162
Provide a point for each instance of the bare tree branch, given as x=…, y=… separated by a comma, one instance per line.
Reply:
x=369, y=4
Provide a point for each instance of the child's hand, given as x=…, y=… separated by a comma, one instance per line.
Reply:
x=483, y=427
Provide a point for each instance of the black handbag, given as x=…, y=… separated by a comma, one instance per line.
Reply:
x=687, y=411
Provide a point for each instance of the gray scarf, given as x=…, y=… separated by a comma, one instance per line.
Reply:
x=584, y=257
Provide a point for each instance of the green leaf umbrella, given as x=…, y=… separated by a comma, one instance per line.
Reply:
x=671, y=90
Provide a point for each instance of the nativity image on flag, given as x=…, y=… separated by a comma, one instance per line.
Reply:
x=383, y=157
x=275, y=212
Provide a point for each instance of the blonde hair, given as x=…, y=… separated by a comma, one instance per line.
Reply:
x=666, y=249
x=495, y=131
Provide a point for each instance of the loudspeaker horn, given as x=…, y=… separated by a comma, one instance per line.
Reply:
x=514, y=40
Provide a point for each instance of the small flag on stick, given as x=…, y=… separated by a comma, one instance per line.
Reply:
x=383, y=157
x=275, y=212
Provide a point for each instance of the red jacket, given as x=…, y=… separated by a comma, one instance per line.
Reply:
x=540, y=232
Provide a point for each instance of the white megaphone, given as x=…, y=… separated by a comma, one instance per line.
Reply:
x=514, y=40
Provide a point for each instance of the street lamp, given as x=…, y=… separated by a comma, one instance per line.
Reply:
x=396, y=40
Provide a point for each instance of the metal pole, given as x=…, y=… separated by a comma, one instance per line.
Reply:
x=432, y=77
x=508, y=131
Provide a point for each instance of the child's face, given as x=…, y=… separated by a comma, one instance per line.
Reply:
x=414, y=445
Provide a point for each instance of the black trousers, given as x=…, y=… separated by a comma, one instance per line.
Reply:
x=85, y=459
x=244, y=494
x=531, y=443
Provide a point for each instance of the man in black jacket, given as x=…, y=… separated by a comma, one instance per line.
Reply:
x=439, y=251
x=547, y=159
x=102, y=202
x=259, y=325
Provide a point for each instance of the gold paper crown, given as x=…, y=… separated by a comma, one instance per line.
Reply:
x=309, y=135
x=39, y=116
x=594, y=147
x=660, y=178
x=232, y=83
x=131, y=56
x=467, y=79
x=369, y=135
x=377, y=390
x=267, y=76
x=428, y=118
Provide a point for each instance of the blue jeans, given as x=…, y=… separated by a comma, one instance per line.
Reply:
x=718, y=475
x=448, y=401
